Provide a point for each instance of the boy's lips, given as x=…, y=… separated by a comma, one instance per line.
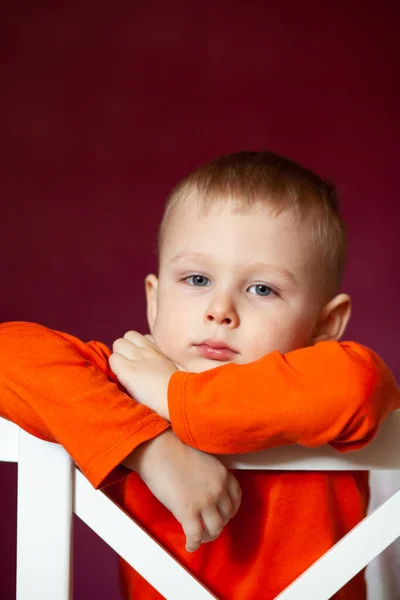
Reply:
x=215, y=350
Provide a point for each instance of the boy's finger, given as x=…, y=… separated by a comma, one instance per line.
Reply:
x=193, y=531
x=136, y=338
x=125, y=348
x=120, y=366
x=235, y=494
x=226, y=509
x=116, y=361
x=213, y=524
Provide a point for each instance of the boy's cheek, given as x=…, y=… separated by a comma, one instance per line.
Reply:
x=275, y=337
x=167, y=339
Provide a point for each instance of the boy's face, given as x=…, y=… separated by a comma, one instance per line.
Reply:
x=233, y=288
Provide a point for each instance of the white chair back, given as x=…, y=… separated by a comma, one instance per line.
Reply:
x=50, y=490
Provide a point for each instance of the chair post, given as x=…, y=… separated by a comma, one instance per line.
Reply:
x=44, y=520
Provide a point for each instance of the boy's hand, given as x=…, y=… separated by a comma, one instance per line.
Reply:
x=143, y=370
x=199, y=491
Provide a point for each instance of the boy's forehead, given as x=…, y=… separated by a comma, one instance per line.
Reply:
x=192, y=217
x=191, y=209
x=219, y=229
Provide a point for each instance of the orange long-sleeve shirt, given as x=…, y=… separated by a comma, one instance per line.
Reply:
x=59, y=388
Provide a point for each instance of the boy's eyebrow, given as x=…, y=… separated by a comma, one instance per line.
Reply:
x=270, y=269
x=189, y=256
x=259, y=266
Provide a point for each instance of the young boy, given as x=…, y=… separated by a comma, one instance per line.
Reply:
x=252, y=249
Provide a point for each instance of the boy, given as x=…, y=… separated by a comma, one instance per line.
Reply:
x=251, y=253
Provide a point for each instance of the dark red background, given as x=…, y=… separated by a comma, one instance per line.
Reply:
x=104, y=106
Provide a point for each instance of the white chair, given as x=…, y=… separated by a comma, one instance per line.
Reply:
x=55, y=489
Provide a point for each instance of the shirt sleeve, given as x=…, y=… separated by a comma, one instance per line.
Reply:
x=335, y=393
x=61, y=389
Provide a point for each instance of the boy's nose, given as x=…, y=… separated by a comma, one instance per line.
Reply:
x=222, y=314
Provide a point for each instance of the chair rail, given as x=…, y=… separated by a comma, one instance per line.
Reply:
x=56, y=489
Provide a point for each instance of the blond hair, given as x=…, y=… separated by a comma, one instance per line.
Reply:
x=247, y=179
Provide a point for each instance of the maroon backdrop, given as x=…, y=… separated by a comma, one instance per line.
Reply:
x=103, y=106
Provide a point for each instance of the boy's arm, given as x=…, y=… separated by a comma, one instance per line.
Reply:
x=58, y=388
x=335, y=393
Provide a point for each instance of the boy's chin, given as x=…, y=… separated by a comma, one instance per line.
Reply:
x=199, y=365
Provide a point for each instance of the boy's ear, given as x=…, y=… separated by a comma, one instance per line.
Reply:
x=151, y=286
x=333, y=319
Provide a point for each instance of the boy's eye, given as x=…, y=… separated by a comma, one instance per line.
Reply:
x=198, y=280
x=261, y=289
